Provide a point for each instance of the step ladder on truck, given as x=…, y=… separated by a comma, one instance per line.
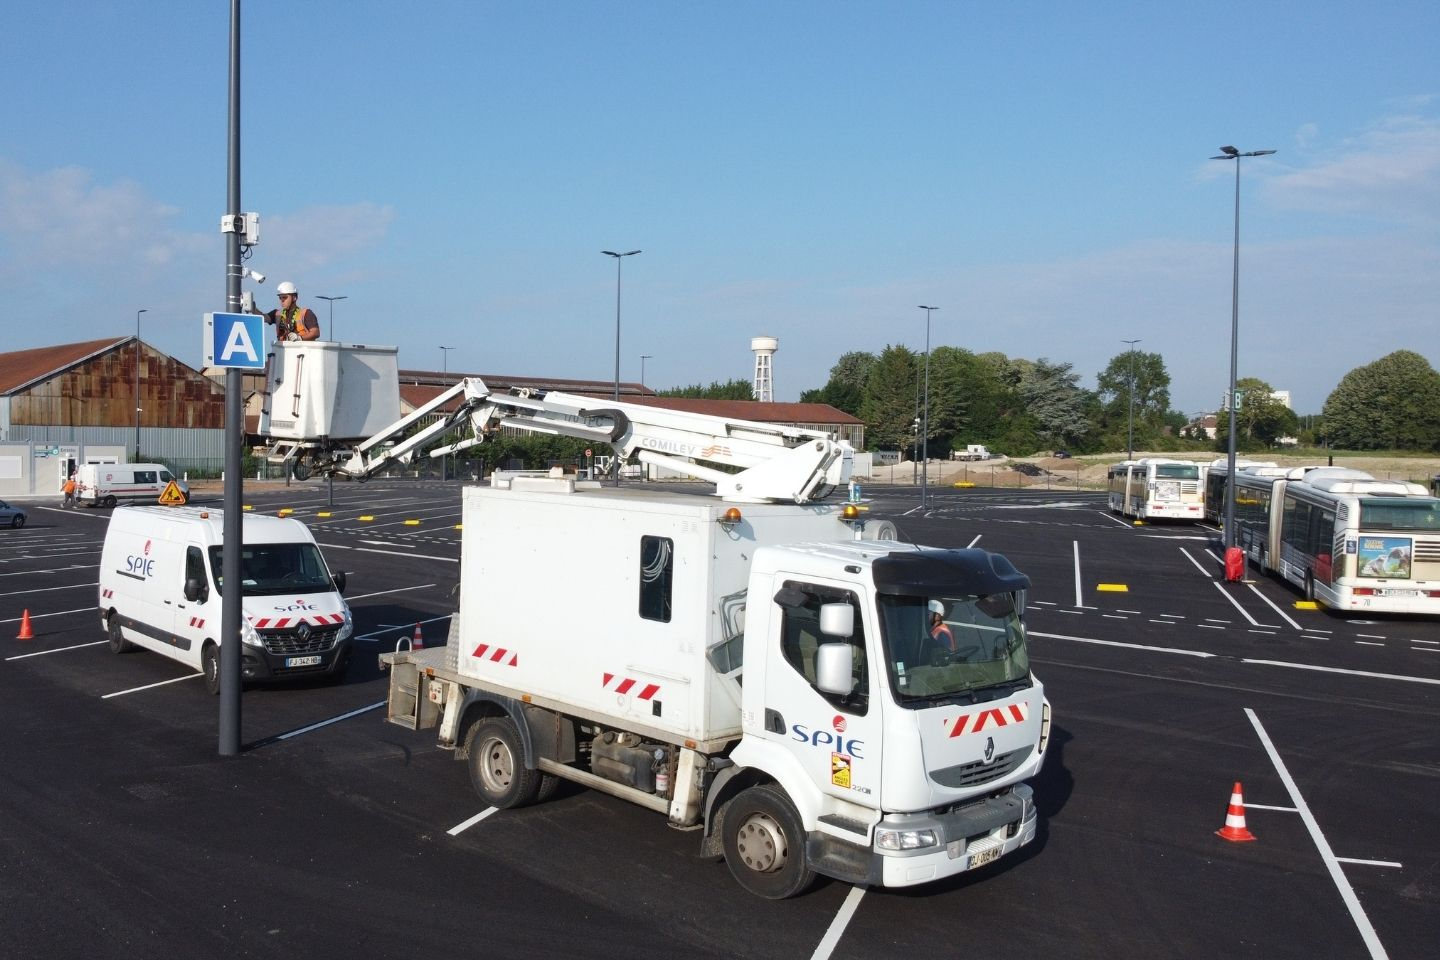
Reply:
x=888, y=720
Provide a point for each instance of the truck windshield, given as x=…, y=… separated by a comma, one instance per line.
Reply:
x=272, y=568
x=953, y=649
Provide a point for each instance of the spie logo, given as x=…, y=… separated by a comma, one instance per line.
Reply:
x=839, y=723
x=147, y=548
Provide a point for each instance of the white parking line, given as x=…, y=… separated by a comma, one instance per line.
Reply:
x=41, y=653
x=1371, y=863
x=460, y=828
x=326, y=723
x=1079, y=597
x=976, y=540
x=1204, y=571
x=1272, y=606
x=58, y=613
x=151, y=686
x=1224, y=593
x=1347, y=894
x=838, y=925
x=381, y=593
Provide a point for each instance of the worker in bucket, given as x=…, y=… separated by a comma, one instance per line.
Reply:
x=292, y=321
x=939, y=630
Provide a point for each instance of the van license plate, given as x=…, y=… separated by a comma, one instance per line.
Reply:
x=302, y=661
x=984, y=857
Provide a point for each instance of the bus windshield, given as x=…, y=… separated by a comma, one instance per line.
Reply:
x=274, y=568
x=1380, y=513
x=953, y=649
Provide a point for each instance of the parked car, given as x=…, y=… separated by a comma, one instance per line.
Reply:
x=11, y=516
x=1062, y=454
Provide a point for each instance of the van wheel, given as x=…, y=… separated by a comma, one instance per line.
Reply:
x=497, y=765
x=108, y=502
x=210, y=666
x=765, y=844
x=118, y=643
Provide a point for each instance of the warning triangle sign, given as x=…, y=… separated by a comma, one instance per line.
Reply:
x=171, y=495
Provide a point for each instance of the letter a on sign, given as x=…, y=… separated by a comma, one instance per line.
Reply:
x=234, y=340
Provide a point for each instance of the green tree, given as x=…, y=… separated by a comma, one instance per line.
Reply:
x=729, y=390
x=1391, y=403
x=1260, y=419
x=888, y=408
x=845, y=390
x=1053, y=398
x=1151, y=384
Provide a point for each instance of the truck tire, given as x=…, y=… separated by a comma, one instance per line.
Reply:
x=765, y=844
x=108, y=502
x=210, y=666
x=497, y=765
x=118, y=643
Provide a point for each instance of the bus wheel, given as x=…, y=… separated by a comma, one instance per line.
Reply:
x=497, y=765
x=210, y=666
x=118, y=643
x=765, y=844
x=1310, y=586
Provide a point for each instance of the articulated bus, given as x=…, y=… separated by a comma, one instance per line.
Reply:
x=1214, y=476
x=1343, y=537
x=1155, y=488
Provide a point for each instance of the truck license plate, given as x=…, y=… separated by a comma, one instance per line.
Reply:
x=302, y=661
x=984, y=857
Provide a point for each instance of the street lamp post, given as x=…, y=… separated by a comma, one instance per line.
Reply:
x=332, y=312
x=618, y=258
x=643, y=358
x=1130, y=441
x=925, y=413
x=137, y=383
x=445, y=359
x=1231, y=153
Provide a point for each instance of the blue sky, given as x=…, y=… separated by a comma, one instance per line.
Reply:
x=810, y=171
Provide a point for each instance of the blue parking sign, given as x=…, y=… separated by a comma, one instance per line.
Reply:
x=235, y=340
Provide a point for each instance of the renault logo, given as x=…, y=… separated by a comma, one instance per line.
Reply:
x=989, y=749
x=303, y=632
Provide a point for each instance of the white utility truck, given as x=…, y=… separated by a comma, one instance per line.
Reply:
x=972, y=451
x=807, y=693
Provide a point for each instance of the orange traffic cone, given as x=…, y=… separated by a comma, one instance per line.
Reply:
x=1234, y=828
x=417, y=642
x=25, y=633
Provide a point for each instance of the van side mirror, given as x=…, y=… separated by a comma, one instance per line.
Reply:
x=837, y=619
x=339, y=579
x=834, y=667
x=195, y=590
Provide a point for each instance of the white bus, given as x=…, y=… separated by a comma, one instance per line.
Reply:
x=1155, y=488
x=1213, y=477
x=1346, y=539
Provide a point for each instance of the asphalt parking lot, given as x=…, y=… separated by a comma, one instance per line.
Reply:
x=336, y=835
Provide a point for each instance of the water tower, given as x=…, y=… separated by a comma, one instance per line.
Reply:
x=764, y=349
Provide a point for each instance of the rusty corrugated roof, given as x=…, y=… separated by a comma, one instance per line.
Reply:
x=20, y=368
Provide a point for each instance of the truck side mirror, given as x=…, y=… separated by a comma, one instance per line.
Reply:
x=834, y=667
x=195, y=590
x=996, y=606
x=837, y=620
x=339, y=579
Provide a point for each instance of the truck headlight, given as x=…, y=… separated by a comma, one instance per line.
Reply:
x=249, y=635
x=904, y=839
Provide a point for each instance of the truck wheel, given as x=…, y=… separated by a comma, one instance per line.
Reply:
x=497, y=765
x=765, y=844
x=118, y=643
x=210, y=666
x=108, y=502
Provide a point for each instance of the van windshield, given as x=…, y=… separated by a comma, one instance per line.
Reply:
x=271, y=568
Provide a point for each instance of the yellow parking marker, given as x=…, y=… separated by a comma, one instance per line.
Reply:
x=323, y=513
x=1306, y=605
x=247, y=507
x=286, y=511
x=459, y=526
x=1112, y=588
x=366, y=519
x=1137, y=523
x=412, y=523
x=963, y=484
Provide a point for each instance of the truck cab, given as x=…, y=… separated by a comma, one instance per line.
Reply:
x=889, y=695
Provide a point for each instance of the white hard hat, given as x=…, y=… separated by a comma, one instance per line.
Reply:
x=937, y=607
x=286, y=287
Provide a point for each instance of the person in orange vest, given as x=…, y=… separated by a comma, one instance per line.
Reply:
x=292, y=321
x=69, y=489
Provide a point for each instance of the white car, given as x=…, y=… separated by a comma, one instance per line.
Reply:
x=11, y=516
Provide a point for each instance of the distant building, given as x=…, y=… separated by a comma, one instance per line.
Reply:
x=75, y=403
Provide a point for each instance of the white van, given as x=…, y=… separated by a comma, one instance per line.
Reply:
x=161, y=581
x=105, y=484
